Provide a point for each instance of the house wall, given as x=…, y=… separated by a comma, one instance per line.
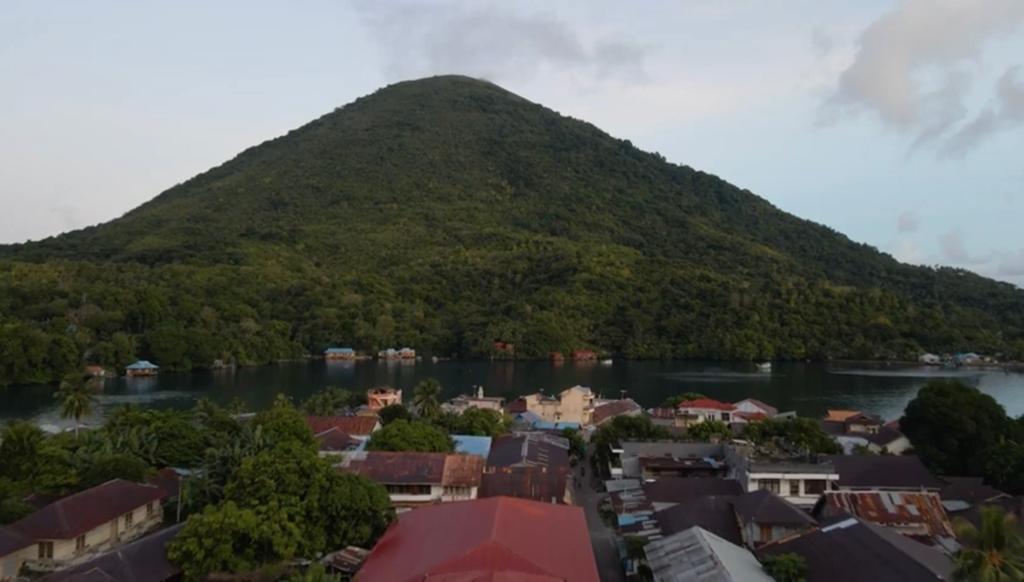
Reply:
x=803, y=498
x=573, y=405
x=896, y=447
x=97, y=540
x=438, y=494
x=10, y=564
x=753, y=533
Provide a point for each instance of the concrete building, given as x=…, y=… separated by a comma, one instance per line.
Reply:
x=78, y=527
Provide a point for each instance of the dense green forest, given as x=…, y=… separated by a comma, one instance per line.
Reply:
x=447, y=213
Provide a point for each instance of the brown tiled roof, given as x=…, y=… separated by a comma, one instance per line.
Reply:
x=420, y=468
x=613, y=409
x=351, y=425
x=334, y=440
x=840, y=415
x=76, y=514
x=167, y=479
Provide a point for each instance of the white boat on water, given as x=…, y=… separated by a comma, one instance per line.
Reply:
x=607, y=362
x=764, y=366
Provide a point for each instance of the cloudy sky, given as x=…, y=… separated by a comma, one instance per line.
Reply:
x=897, y=122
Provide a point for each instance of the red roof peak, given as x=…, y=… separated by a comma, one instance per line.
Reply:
x=706, y=403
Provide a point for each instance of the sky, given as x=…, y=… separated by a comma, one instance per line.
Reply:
x=897, y=122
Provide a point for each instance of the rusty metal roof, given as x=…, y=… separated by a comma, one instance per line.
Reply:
x=912, y=513
x=445, y=469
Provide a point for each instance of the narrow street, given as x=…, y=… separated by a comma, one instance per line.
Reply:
x=601, y=537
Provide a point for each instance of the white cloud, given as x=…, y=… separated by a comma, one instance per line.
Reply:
x=493, y=42
x=916, y=64
x=1012, y=264
x=1006, y=111
x=907, y=221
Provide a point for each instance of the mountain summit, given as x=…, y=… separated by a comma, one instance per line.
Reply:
x=447, y=214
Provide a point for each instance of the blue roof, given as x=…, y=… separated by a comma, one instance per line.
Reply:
x=143, y=365
x=472, y=445
x=545, y=425
x=339, y=351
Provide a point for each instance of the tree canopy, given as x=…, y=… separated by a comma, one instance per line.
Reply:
x=411, y=435
x=447, y=213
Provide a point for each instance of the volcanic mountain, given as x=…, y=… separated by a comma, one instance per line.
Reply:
x=453, y=216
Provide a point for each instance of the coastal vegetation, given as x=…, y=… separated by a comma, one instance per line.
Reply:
x=452, y=216
x=958, y=430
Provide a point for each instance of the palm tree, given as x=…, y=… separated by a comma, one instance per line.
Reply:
x=425, y=398
x=76, y=398
x=995, y=553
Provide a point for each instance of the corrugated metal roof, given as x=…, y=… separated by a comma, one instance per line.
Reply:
x=445, y=469
x=696, y=555
x=912, y=513
x=498, y=538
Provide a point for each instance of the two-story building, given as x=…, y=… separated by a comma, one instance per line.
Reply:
x=76, y=528
x=691, y=412
x=572, y=405
x=798, y=480
x=415, y=479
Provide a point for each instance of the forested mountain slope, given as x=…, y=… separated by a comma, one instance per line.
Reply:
x=447, y=213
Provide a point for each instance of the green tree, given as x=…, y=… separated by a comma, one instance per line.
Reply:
x=393, y=412
x=231, y=539
x=475, y=422
x=993, y=553
x=331, y=401
x=20, y=445
x=709, y=429
x=951, y=425
x=577, y=447
x=786, y=567
x=283, y=423
x=426, y=398
x=77, y=397
x=406, y=435
x=97, y=469
x=674, y=401
x=12, y=504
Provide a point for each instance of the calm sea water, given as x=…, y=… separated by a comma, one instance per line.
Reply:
x=805, y=387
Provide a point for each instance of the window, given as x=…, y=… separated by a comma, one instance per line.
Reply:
x=772, y=485
x=794, y=488
x=766, y=533
x=79, y=544
x=150, y=509
x=45, y=550
x=401, y=489
x=128, y=519
x=816, y=487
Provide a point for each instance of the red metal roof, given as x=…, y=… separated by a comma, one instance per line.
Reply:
x=351, y=425
x=76, y=514
x=707, y=403
x=499, y=538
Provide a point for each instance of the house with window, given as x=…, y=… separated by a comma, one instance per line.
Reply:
x=78, y=527
x=464, y=402
x=143, y=559
x=765, y=517
x=377, y=398
x=691, y=412
x=651, y=460
x=798, y=480
x=415, y=479
x=142, y=368
x=347, y=354
x=572, y=405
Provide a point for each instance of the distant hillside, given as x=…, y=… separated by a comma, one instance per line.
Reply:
x=447, y=213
